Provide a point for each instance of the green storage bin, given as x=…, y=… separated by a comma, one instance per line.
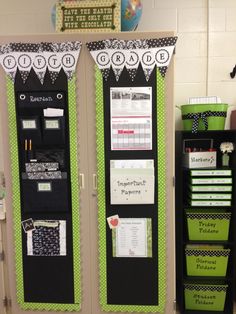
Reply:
x=208, y=226
x=206, y=261
x=215, y=115
x=205, y=297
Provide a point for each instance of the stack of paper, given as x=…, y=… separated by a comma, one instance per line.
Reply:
x=132, y=181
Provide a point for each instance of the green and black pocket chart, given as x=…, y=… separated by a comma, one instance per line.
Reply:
x=131, y=160
x=43, y=144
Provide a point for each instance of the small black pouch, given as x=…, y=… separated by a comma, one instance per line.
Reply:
x=53, y=130
x=51, y=155
x=45, y=195
x=29, y=128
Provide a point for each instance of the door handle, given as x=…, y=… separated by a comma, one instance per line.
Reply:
x=81, y=181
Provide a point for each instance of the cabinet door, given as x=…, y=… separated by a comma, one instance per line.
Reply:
x=89, y=232
x=92, y=138
x=12, y=250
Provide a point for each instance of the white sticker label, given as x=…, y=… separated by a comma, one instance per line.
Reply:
x=44, y=187
x=52, y=124
x=29, y=124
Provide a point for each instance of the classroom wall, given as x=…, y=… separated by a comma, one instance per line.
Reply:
x=206, y=48
x=205, y=52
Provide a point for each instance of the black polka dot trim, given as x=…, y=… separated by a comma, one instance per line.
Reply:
x=207, y=252
x=162, y=42
x=203, y=288
x=95, y=45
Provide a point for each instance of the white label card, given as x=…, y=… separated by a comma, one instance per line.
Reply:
x=44, y=187
x=52, y=124
x=29, y=124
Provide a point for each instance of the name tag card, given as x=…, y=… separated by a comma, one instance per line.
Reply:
x=29, y=124
x=44, y=187
x=52, y=124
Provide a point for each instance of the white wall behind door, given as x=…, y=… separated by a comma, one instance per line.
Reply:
x=206, y=48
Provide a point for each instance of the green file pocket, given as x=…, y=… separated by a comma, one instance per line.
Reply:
x=207, y=261
x=45, y=195
x=205, y=297
x=30, y=129
x=209, y=226
x=53, y=130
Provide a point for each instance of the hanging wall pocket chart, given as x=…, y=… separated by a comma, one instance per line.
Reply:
x=131, y=154
x=43, y=140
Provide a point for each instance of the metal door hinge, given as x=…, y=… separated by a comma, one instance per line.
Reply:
x=2, y=256
x=6, y=302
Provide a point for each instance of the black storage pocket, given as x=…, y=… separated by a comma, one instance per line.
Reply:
x=51, y=155
x=45, y=195
x=54, y=130
x=30, y=130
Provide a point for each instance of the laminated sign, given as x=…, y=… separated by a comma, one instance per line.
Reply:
x=85, y=16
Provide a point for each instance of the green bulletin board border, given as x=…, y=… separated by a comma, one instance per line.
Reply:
x=160, y=102
x=17, y=205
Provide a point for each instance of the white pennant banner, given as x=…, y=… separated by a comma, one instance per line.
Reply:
x=132, y=62
x=120, y=54
x=53, y=63
x=24, y=63
x=8, y=61
x=103, y=62
x=40, y=66
x=51, y=56
x=118, y=60
x=147, y=60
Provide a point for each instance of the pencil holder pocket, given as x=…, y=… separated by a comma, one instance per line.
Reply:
x=45, y=195
x=54, y=131
x=29, y=128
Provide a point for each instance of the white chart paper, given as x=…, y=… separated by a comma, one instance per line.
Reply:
x=132, y=238
x=131, y=118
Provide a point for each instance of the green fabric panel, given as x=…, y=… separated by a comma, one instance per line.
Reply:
x=17, y=203
x=161, y=200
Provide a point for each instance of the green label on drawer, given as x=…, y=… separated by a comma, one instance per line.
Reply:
x=208, y=226
x=205, y=297
x=211, y=173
